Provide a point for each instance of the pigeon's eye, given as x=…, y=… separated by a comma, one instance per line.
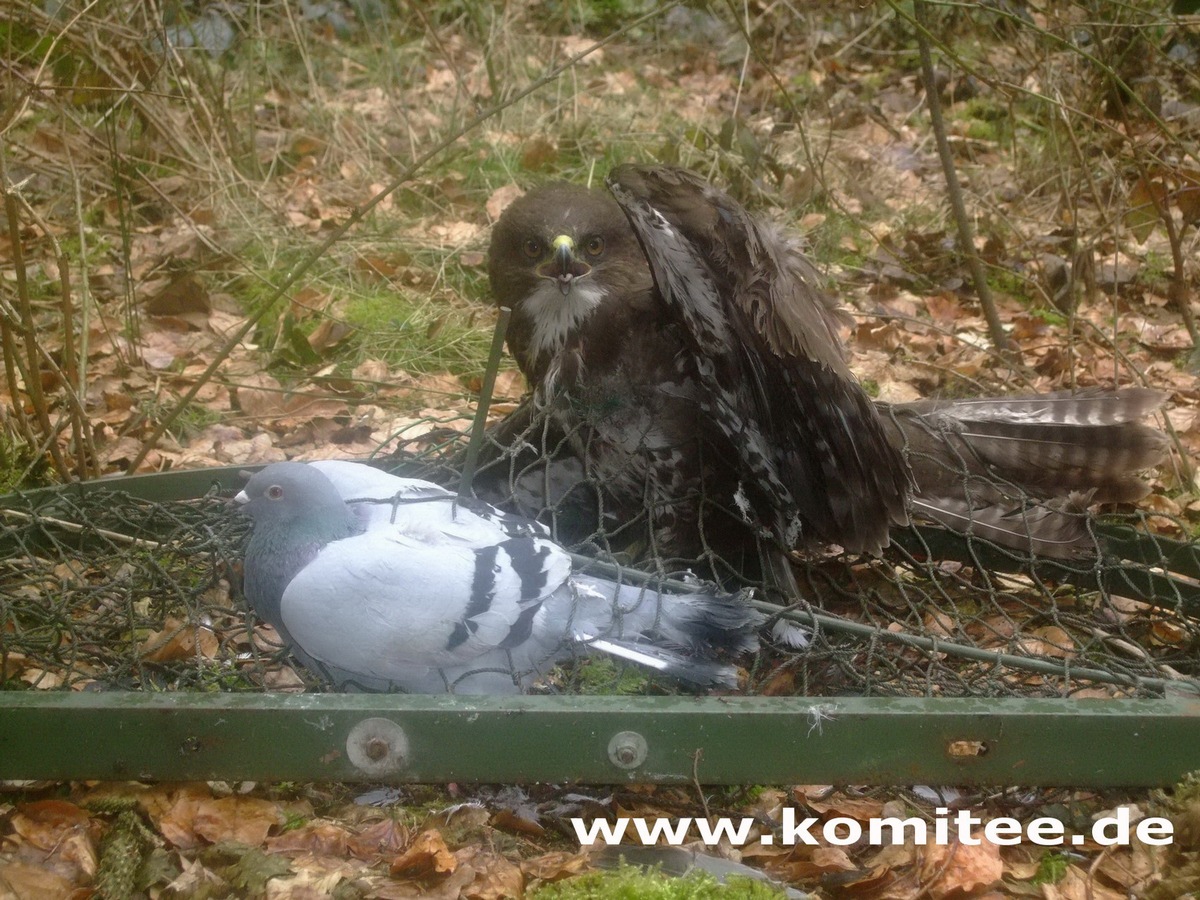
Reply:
x=594, y=245
x=532, y=248
x=275, y=492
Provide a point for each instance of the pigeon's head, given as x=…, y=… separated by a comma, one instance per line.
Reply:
x=287, y=492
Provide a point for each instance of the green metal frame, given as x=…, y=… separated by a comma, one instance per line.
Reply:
x=742, y=740
x=726, y=740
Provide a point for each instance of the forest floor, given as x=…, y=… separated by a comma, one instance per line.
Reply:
x=200, y=240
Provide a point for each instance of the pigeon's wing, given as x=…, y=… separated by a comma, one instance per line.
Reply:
x=382, y=499
x=356, y=480
x=814, y=453
x=390, y=599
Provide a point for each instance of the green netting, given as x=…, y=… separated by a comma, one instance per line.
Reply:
x=101, y=589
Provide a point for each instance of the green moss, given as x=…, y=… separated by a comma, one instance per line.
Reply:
x=1050, y=316
x=737, y=795
x=420, y=336
x=195, y=418
x=292, y=822
x=1008, y=282
x=600, y=675
x=632, y=883
x=1052, y=868
x=20, y=467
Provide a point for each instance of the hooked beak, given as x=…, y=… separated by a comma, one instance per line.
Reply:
x=563, y=266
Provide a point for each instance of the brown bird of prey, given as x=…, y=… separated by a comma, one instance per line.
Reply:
x=689, y=389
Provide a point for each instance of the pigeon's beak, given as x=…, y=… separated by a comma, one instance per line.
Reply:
x=241, y=498
x=563, y=266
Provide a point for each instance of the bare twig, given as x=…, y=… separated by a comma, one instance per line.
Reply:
x=74, y=388
x=966, y=235
x=697, y=755
x=485, y=401
x=33, y=380
x=76, y=528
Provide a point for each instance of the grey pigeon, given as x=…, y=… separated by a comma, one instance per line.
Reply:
x=384, y=583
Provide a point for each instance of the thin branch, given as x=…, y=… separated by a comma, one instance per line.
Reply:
x=966, y=235
x=33, y=380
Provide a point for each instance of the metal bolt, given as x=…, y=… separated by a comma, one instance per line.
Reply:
x=377, y=747
x=627, y=750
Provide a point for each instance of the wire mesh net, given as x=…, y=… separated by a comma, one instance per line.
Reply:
x=104, y=589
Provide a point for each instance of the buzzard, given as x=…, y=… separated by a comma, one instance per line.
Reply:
x=690, y=397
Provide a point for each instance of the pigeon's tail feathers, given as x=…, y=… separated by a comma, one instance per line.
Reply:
x=702, y=673
x=723, y=622
x=790, y=635
x=696, y=622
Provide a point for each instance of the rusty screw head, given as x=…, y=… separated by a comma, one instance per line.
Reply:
x=376, y=749
x=377, y=746
x=627, y=750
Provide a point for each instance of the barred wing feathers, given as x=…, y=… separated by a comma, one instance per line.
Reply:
x=764, y=336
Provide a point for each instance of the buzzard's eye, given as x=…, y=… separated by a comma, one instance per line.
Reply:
x=532, y=248
x=275, y=492
x=594, y=245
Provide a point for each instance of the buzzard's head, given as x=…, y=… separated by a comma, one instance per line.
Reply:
x=556, y=255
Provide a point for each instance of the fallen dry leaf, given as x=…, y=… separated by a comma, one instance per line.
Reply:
x=260, y=396
x=44, y=823
x=426, y=855
x=314, y=876
x=193, y=815
x=958, y=870
x=556, y=866
x=499, y=200
x=1077, y=884
x=61, y=832
x=178, y=641
x=196, y=880
x=317, y=838
x=328, y=334
x=838, y=804
x=383, y=839
x=495, y=877
x=26, y=881
x=246, y=820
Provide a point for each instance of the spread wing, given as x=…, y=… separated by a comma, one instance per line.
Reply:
x=813, y=450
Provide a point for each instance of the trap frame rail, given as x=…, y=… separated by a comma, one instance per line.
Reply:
x=605, y=740
x=54, y=734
